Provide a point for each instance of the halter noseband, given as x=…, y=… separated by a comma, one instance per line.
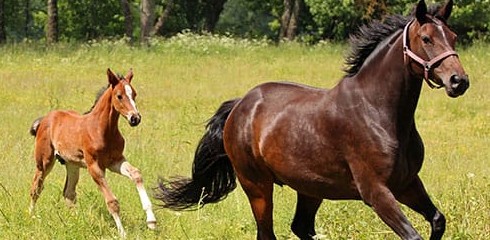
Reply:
x=426, y=64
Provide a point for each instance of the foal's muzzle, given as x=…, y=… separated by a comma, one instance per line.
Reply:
x=134, y=120
x=457, y=85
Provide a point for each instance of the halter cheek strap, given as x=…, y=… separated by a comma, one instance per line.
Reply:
x=426, y=64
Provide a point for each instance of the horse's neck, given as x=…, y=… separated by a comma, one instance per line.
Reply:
x=387, y=84
x=105, y=115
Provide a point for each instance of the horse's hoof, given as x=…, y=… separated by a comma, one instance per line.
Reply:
x=152, y=225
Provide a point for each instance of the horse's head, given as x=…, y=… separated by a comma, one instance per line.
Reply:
x=123, y=95
x=430, y=44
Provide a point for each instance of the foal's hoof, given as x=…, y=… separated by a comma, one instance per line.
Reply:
x=152, y=225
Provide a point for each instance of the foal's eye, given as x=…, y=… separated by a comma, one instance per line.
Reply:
x=426, y=39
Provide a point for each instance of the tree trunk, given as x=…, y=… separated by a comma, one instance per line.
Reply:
x=128, y=19
x=212, y=10
x=52, y=29
x=28, y=18
x=158, y=29
x=147, y=18
x=290, y=19
x=3, y=34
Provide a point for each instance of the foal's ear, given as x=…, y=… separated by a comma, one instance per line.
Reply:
x=446, y=10
x=421, y=11
x=113, y=80
x=129, y=75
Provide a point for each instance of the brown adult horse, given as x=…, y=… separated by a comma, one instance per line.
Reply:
x=93, y=141
x=355, y=141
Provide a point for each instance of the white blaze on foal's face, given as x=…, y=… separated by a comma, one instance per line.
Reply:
x=129, y=93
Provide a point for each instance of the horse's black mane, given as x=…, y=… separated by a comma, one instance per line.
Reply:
x=367, y=38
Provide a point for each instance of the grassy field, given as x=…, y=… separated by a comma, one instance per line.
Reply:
x=180, y=83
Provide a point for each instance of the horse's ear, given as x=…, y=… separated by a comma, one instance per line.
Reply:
x=421, y=11
x=129, y=75
x=446, y=10
x=113, y=80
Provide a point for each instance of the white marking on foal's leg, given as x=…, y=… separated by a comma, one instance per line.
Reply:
x=119, y=225
x=126, y=169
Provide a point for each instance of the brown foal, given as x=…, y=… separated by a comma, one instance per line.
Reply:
x=91, y=141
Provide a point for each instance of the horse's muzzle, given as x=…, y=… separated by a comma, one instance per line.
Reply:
x=458, y=84
x=134, y=120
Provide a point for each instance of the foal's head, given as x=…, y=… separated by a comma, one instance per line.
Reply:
x=123, y=95
x=430, y=38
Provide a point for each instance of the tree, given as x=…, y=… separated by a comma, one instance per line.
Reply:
x=52, y=29
x=158, y=28
x=128, y=19
x=147, y=17
x=3, y=34
x=211, y=12
x=290, y=19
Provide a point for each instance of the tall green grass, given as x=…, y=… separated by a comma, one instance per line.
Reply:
x=180, y=83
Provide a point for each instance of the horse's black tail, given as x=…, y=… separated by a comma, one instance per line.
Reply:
x=213, y=176
x=35, y=126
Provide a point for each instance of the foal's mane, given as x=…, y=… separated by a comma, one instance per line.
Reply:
x=367, y=38
x=100, y=93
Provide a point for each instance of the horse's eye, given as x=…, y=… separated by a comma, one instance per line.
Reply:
x=426, y=39
x=119, y=97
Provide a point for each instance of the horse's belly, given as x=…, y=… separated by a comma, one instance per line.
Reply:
x=334, y=183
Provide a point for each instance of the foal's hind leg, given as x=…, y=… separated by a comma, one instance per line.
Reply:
x=44, y=155
x=126, y=169
x=417, y=199
x=304, y=219
x=72, y=176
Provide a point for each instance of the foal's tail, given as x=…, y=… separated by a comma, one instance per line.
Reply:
x=213, y=176
x=35, y=126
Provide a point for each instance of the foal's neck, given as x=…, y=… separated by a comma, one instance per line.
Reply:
x=104, y=113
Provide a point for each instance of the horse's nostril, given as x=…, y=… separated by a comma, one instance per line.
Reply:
x=455, y=79
x=134, y=120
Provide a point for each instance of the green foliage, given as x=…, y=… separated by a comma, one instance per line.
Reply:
x=90, y=19
x=81, y=20
x=334, y=19
x=246, y=19
x=471, y=19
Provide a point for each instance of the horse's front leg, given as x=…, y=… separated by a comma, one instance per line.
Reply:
x=126, y=169
x=416, y=198
x=377, y=195
x=98, y=175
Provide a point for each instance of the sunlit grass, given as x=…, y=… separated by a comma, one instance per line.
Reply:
x=180, y=83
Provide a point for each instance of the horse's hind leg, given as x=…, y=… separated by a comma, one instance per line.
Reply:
x=304, y=219
x=126, y=169
x=72, y=176
x=259, y=189
x=417, y=199
x=44, y=155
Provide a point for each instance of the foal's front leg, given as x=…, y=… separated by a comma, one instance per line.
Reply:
x=98, y=175
x=126, y=169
